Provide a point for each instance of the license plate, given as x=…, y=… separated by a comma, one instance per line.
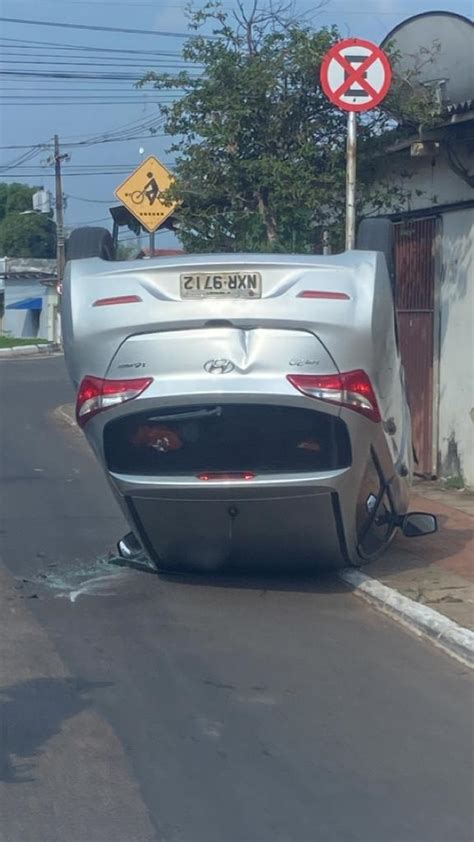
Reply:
x=221, y=285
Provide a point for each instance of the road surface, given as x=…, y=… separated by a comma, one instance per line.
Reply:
x=136, y=707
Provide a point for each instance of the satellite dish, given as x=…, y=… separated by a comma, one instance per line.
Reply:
x=439, y=46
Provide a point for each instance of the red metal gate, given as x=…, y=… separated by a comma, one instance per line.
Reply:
x=415, y=273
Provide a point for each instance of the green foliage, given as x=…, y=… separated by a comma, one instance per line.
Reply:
x=15, y=198
x=260, y=149
x=29, y=235
x=125, y=252
x=24, y=234
x=413, y=104
x=455, y=483
x=13, y=342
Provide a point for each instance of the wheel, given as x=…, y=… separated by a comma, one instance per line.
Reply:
x=90, y=242
x=137, y=197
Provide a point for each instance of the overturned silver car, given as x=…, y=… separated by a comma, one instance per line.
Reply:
x=245, y=406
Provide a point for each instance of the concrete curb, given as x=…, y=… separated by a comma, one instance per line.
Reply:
x=27, y=350
x=443, y=632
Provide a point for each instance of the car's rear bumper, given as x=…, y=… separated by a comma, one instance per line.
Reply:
x=246, y=523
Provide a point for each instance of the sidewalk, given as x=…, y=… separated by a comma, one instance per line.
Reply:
x=437, y=570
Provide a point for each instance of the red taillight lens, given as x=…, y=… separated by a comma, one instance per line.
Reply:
x=328, y=295
x=96, y=394
x=117, y=299
x=219, y=476
x=351, y=389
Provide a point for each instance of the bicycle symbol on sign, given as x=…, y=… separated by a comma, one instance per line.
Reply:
x=151, y=190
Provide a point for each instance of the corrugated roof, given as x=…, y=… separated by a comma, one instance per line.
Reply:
x=27, y=276
x=460, y=107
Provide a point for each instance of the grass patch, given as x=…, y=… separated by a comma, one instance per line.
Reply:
x=11, y=341
x=454, y=483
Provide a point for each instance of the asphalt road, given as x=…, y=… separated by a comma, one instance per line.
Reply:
x=136, y=707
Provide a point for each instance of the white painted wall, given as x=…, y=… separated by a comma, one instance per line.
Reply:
x=433, y=178
x=456, y=375
x=21, y=323
x=433, y=183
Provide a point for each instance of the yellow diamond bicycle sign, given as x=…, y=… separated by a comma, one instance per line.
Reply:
x=142, y=193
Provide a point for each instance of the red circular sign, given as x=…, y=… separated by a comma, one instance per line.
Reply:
x=356, y=74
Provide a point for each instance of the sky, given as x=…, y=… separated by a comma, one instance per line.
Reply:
x=34, y=108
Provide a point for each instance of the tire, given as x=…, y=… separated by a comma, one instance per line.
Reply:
x=90, y=242
x=377, y=234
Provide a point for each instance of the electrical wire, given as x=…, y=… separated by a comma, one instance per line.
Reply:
x=92, y=201
x=20, y=160
x=90, y=48
x=97, y=28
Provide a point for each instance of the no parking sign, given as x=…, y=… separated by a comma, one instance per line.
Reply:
x=356, y=75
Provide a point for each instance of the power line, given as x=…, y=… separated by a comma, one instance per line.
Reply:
x=22, y=159
x=96, y=28
x=84, y=61
x=63, y=74
x=67, y=174
x=92, y=201
x=114, y=4
x=89, y=48
x=72, y=99
x=67, y=104
x=125, y=132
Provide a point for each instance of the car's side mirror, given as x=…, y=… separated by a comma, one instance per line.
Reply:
x=415, y=524
x=129, y=548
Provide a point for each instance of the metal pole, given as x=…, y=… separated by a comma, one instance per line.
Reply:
x=351, y=164
x=60, y=255
x=152, y=243
x=60, y=247
x=326, y=242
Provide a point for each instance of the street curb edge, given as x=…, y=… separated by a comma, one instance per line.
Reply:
x=27, y=350
x=443, y=632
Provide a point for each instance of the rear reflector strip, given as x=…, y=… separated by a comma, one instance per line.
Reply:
x=330, y=296
x=226, y=477
x=119, y=299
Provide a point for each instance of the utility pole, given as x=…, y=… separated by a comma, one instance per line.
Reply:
x=60, y=245
x=60, y=251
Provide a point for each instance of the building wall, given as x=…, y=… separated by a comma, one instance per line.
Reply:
x=433, y=183
x=430, y=181
x=21, y=323
x=456, y=372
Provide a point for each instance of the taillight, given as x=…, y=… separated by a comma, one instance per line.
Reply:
x=351, y=389
x=96, y=394
x=117, y=299
x=221, y=476
x=328, y=295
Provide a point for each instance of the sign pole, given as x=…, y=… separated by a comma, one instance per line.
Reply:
x=355, y=75
x=152, y=243
x=351, y=173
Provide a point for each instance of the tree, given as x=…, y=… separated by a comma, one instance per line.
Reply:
x=125, y=252
x=261, y=151
x=15, y=198
x=27, y=235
